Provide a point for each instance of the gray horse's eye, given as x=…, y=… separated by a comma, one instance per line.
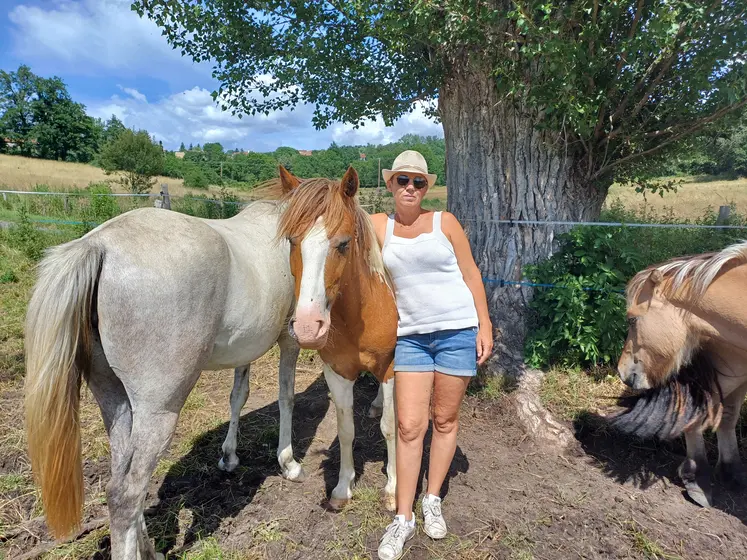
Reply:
x=632, y=321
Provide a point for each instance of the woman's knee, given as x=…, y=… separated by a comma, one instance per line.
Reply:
x=411, y=430
x=445, y=423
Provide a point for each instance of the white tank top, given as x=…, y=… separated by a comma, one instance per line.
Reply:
x=428, y=284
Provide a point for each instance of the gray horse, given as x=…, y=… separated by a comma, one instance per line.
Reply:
x=139, y=307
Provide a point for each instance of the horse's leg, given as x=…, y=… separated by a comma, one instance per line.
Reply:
x=389, y=431
x=342, y=396
x=240, y=392
x=151, y=434
x=729, y=467
x=286, y=392
x=377, y=405
x=694, y=471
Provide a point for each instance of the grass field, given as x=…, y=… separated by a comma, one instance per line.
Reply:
x=691, y=200
x=21, y=173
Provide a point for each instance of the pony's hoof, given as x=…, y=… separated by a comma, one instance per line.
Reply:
x=336, y=504
x=698, y=495
x=389, y=502
x=228, y=466
x=375, y=411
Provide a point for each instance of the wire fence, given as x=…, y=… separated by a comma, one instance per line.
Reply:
x=80, y=214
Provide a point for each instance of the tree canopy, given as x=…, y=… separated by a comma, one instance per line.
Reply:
x=136, y=157
x=38, y=116
x=621, y=79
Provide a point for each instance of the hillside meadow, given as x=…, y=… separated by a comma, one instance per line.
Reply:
x=693, y=197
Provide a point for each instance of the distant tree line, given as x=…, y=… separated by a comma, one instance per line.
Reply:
x=211, y=164
x=39, y=119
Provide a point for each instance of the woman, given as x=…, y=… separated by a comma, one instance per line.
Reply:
x=444, y=332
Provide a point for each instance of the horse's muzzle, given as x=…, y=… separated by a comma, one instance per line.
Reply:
x=309, y=334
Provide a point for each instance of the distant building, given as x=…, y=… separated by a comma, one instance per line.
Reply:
x=179, y=155
x=304, y=152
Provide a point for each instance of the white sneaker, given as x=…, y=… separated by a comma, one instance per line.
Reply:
x=396, y=535
x=433, y=522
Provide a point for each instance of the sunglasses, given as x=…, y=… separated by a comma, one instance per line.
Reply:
x=417, y=182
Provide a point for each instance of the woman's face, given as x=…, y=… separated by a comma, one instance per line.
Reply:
x=408, y=189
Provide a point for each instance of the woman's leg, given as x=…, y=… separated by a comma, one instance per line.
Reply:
x=448, y=393
x=412, y=391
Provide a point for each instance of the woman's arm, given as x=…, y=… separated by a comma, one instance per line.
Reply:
x=379, y=223
x=472, y=277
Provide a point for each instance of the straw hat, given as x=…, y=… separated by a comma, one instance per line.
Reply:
x=409, y=161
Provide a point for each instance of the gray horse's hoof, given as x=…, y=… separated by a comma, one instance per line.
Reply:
x=697, y=483
x=293, y=472
x=229, y=465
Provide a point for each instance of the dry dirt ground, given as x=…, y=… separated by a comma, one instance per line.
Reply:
x=504, y=498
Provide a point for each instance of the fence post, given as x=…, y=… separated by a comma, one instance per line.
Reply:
x=723, y=215
x=5, y=197
x=67, y=205
x=165, y=198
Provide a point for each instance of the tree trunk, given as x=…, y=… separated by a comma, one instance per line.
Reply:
x=500, y=166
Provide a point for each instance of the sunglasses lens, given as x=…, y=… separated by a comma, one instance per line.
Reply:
x=402, y=180
x=419, y=182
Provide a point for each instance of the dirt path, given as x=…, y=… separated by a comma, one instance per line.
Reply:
x=505, y=498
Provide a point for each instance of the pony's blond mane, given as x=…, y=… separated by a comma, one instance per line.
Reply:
x=319, y=197
x=693, y=273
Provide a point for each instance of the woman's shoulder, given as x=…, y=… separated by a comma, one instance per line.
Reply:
x=449, y=220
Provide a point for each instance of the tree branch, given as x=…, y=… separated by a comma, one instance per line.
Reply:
x=690, y=130
x=618, y=69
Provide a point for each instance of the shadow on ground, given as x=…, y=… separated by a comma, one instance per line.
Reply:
x=643, y=463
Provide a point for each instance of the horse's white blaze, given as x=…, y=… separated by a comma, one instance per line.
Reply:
x=342, y=395
x=312, y=316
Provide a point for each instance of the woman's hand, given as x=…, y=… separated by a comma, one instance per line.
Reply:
x=484, y=343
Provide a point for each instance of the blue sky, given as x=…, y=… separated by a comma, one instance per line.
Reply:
x=114, y=62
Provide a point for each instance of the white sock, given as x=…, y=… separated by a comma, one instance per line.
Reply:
x=431, y=499
x=401, y=519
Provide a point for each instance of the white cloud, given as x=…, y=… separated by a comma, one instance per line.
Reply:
x=135, y=94
x=375, y=132
x=113, y=47
x=192, y=116
x=90, y=36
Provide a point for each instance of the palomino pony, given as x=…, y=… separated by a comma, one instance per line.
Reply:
x=138, y=308
x=689, y=315
x=345, y=306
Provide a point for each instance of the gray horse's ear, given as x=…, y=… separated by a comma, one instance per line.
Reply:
x=288, y=181
x=350, y=182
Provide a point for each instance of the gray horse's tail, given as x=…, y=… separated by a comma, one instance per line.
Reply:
x=686, y=401
x=58, y=349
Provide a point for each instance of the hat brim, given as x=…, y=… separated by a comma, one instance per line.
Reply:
x=387, y=174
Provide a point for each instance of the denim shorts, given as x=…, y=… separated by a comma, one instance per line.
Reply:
x=453, y=352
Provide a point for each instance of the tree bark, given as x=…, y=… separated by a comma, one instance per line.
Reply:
x=499, y=165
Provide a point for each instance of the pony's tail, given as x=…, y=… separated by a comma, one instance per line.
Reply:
x=665, y=412
x=58, y=350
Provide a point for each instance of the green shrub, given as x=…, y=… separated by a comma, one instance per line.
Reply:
x=582, y=322
x=101, y=207
x=195, y=178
